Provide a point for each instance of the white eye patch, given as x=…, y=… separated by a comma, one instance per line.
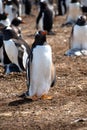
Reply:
x=9, y=28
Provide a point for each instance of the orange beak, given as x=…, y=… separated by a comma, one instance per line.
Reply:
x=44, y=32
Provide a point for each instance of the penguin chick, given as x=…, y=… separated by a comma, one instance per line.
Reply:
x=40, y=68
x=78, y=39
x=44, y=19
x=15, y=49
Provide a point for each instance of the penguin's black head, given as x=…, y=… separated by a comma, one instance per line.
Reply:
x=40, y=38
x=3, y=16
x=17, y=21
x=81, y=21
x=43, y=5
x=8, y=2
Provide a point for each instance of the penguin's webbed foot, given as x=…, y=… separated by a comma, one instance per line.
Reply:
x=34, y=98
x=45, y=96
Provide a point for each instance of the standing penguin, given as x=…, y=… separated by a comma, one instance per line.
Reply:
x=74, y=10
x=78, y=40
x=15, y=50
x=40, y=68
x=11, y=10
x=44, y=20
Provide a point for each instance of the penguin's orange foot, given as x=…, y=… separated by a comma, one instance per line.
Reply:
x=46, y=97
x=34, y=98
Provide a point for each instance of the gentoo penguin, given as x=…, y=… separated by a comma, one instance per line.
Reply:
x=15, y=25
x=78, y=41
x=74, y=10
x=40, y=68
x=11, y=10
x=15, y=50
x=44, y=19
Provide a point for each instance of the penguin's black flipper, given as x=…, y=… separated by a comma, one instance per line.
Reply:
x=24, y=95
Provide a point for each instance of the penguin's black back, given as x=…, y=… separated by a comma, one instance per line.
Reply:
x=48, y=19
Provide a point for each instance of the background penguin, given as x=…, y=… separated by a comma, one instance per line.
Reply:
x=61, y=7
x=44, y=20
x=11, y=10
x=74, y=10
x=84, y=5
x=15, y=50
x=78, y=41
x=4, y=19
x=40, y=68
x=28, y=7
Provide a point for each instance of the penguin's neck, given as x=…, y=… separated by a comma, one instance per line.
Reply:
x=9, y=3
x=38, y=44
x=81, y=23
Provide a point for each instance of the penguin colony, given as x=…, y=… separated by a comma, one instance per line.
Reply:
x=17, y=56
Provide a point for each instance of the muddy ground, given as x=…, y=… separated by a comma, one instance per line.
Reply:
x=68, y=108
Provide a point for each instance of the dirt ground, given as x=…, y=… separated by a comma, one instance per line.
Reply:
x=68, y=108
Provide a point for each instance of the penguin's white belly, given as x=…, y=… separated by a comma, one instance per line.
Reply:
x=79, y=38
x=40, y=78
x=74, y=12
x=11, y=51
